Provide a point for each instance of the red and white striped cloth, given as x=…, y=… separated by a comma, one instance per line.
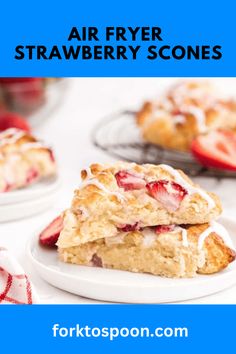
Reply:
x=15, y=287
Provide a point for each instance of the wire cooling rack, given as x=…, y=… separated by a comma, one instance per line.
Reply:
x=119, y=136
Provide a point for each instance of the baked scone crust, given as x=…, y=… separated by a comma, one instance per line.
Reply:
x=23, y=160
x=165, y=254
x=100, y=207
x=187, y=110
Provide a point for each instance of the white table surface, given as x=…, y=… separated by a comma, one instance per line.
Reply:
x=68, y=130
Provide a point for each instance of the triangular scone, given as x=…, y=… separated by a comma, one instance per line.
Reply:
x=23, y=160
x=188, y=109
x=126, y=196
x=169, y=251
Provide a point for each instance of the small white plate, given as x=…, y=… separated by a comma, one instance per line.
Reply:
x=12, y=212
x=28, y=201
x=127, y=287
x=34, y=191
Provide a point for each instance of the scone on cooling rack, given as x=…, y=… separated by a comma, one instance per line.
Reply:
x=169, y=251
x=23, y=160
x=126, y=196
x=188, y=109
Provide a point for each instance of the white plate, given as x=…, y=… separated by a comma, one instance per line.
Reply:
x=12, y=212
x=121, y=286
x=36, y=190
x=28, y=201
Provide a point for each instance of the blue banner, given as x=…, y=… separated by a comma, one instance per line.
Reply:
x=117, y=39
x=117, y=328
x=128, y=38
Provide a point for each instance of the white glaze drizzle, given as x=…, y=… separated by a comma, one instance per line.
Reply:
x=84, y=211
x=197, y=112
x=200, y=116
x=99, y=185
x=184, y=237
x=11, y=140
x=179, y=119
x=219, y=230
x=115, y=240
x=33, y=145
x=157, y=114
x=10, y=136
x=8, y=173
x=191, y=189
x=149, y=237
x=7, y=132
x=203, y=237
x=177, y=97
x=89, y=173
x=184, y=234
x=181, y=91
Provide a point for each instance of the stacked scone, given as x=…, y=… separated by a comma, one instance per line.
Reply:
x=142, y=218
x=23, y=160
x=185, y=111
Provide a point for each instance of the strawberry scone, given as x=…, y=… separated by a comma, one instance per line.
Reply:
x=169, y=251
x=141, y=218
x=23, y=160
x=128, y=197
x=186, y=110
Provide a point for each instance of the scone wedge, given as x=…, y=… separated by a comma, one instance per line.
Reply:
x=187, y=109
x=141, y=218
x=128, y=197
x=23, y=160
x=169, y=251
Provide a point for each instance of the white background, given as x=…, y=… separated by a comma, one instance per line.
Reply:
x=68, y=130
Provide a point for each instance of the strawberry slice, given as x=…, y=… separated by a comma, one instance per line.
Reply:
x=8, y=187
x=170, y=194
x=50, y=234
x=31, y=93
x=24, y=92
x=96, y=261
x=18, y=80
x=216, y=149
x=51, y=154
x=129, y=228
x=129, y=181
x=13, y=120
x=162, y=229
x=32, y=175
